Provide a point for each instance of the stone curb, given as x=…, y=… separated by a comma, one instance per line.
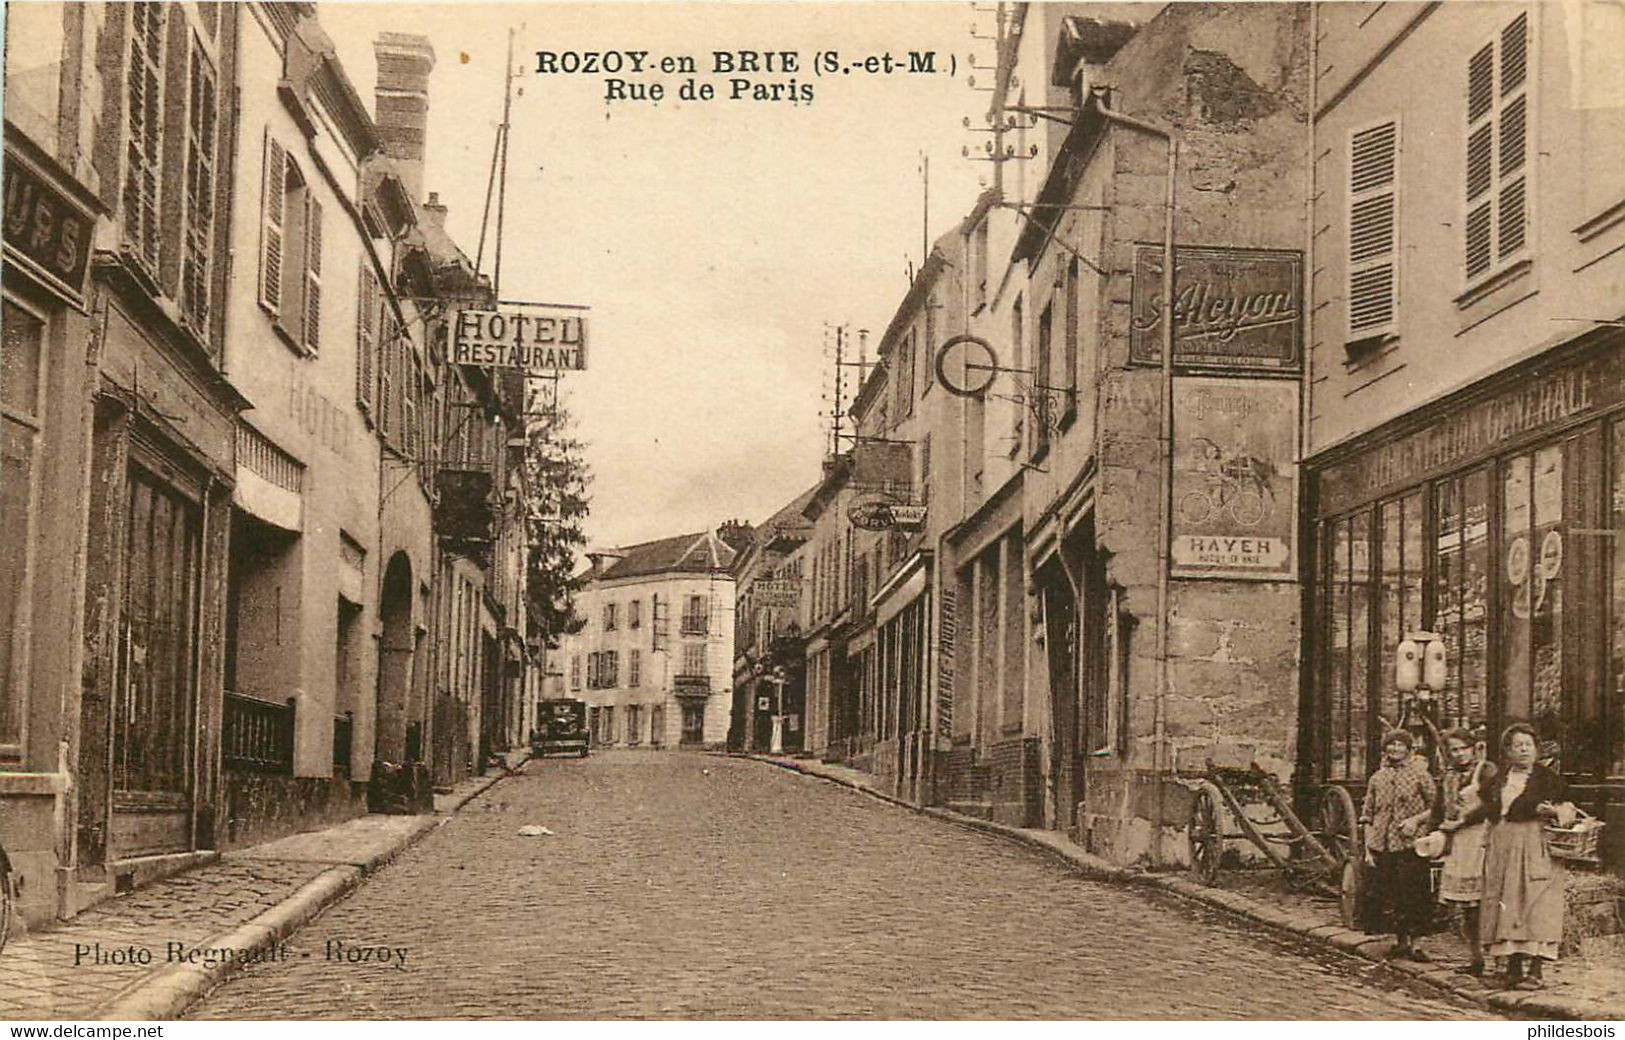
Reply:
x=1370, y=947
x=166, y=994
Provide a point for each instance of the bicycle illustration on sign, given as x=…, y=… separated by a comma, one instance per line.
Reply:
x=1238, y=484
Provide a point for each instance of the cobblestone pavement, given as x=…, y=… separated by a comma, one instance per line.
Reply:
x=683, y=886
x=70, y=970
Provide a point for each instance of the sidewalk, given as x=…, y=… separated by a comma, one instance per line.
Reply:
x=1578, y=988
x=120, y=960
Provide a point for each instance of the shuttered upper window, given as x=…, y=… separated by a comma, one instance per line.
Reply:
x=144, y=115
x=201, y=123
x=1373, y=253
x=366, y=337
x=290, y=280
x=1496, y=224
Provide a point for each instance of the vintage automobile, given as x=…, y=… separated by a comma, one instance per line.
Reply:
x=561, y=729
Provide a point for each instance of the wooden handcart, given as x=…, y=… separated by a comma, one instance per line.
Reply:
x=1324, y=858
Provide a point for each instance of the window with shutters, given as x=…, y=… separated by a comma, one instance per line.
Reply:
x=1496, y=221
x=634, y=668
x=202, y=120
x=144, y=125
x=290, y=249
x=1373, y=244
x=366, y=338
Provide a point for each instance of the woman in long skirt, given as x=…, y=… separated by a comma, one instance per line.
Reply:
x=1521, y=913
x=1461, y=885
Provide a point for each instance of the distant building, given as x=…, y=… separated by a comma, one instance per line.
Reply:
x=770, y=663
x=654, y=658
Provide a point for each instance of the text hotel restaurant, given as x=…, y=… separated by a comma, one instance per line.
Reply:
x=264, y=555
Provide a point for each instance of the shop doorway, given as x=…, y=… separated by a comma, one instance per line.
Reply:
x=395, y=654
x=154, y=712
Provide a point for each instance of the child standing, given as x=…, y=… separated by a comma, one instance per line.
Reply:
x=1462, y=884
x=1398, y=802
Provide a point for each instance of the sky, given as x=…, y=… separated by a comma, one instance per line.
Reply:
x=713, y=240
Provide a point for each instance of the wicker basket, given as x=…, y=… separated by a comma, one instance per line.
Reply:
x=1581, y=842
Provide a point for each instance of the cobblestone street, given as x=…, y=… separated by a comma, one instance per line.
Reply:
x=684, y=886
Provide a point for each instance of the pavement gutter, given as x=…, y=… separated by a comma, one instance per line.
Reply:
x=1304, y=926
x=167, y=993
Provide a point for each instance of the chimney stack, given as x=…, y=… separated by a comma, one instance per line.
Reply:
x=401, y=102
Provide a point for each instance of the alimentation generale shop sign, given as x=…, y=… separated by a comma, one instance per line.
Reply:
x=1233, y=308
x=537, y=339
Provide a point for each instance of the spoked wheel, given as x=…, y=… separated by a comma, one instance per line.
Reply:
x=1339, y=829
x=1336, y=823
x=1205, y=835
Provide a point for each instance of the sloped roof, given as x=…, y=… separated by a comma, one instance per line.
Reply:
x=697, y=553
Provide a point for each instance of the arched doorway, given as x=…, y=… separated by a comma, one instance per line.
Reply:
x=395, y=655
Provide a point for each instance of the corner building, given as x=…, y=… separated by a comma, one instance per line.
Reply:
x=1466, y=431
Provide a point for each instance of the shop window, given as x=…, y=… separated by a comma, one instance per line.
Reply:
x=1399, y=604
x=1461, y=615
x=1532, y=601
x=1346, y=594
x=20, y=425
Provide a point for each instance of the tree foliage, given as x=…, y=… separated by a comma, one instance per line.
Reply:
x=556, y=482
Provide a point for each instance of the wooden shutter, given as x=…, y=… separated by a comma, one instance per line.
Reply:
x=197, y=246
x=1496, y=223
x=366, y=336
x=1373, y=230
x=312, y=313
x=144, y=115
x=274, y=196
x=386, y=373
x=409, y=401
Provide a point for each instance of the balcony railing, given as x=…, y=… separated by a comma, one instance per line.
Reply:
x=691, y=683
x=257, y=736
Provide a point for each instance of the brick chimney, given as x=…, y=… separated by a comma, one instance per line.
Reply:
x=434, y=211
x=401, y=102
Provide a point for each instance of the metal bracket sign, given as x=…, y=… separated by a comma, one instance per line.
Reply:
x=539, y=340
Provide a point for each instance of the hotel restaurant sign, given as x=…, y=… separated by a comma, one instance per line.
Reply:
x=1233, y=308
x=537, y=339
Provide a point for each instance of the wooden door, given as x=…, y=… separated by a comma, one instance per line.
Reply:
x=155, y=702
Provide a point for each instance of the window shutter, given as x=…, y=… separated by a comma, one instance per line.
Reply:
x=145, y=116
x=1496, y=222
x=200, y=147
x=1373, y=230
x=409, y=402
x=386, y=373
x=366, y=335
x=274, y=195
x=312, y=318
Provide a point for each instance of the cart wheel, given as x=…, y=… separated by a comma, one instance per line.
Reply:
x=1337, y=824
x=1351, y=895
x=1206, y=837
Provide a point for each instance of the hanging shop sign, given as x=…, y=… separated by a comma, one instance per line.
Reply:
x=1235, y=485
x=776, y=592
x=45, y=232
x=882, y=513
x=535, y=339
x=1233, y=308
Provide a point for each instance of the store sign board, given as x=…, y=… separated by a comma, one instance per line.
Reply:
x=776, y=592
x=1235, y=483
x=881, y=513
x=1527, y=407
x=535, y=339
x=46, y=233
x=1233, y=308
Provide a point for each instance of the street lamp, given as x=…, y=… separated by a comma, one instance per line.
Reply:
x=777, y=678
